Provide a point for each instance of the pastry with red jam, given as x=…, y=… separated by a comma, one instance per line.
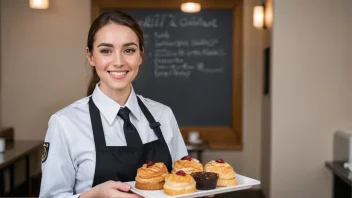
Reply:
x=227, y=176
x=151, y=176
x=179, y=183
x=188, y=165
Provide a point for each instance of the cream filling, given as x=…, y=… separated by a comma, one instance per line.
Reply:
x=222, y=175
x=186, y=170
x=156, y=179
x=229, y=175
x=180, y=186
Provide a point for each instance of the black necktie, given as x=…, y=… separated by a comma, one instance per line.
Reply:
x=131, y=133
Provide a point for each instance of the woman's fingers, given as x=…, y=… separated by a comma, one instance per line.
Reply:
x=119, y=186
x=121, y=190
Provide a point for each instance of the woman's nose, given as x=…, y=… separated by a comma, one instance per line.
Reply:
x=118, y=60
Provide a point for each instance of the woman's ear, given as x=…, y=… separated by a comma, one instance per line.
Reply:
x=141, y=59
x=89, y=57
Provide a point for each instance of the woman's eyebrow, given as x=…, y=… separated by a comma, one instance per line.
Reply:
x=111, y=45
x=129, y=44
x=105, y=45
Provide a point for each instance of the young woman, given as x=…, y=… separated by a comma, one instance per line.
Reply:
x=95, y=144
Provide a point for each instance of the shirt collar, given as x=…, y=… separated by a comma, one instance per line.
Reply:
x=109, y=108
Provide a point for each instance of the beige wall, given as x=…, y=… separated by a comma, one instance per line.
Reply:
x=311, y=95
x=44, y=69
x=43, y=65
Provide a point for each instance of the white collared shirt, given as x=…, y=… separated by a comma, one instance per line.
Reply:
x=70, y=164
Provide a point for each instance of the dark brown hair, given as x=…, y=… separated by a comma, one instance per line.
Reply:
x=109, y=17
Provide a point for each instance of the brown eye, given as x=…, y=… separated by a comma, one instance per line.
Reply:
x=129, y=51
x=105, y=51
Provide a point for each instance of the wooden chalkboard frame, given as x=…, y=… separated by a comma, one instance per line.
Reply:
x=226, y=137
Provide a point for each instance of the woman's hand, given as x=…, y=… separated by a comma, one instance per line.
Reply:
x=110, y=189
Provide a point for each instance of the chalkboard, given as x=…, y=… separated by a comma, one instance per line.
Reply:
x=188, y=63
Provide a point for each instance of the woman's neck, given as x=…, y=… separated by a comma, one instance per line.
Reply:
x=119, y=96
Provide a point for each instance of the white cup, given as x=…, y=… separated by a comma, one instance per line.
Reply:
x=2, y=145
x=193, y=136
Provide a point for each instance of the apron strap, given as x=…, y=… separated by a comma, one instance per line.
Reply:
x=97, y=126
x=152, y=123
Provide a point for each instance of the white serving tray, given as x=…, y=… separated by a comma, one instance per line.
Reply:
x=243, y=183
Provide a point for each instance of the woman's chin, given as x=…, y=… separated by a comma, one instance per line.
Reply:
x=121, y=88
x=115, y=87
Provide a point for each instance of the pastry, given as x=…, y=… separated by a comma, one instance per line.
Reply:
x=227, y=176
x=151, y=176
x=179, y=183
x=188, y=165
x=205, y=180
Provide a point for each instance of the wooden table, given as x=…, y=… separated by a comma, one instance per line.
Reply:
x=342, y=187
x=16, y=151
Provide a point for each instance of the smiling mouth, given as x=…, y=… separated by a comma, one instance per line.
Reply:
x=120, y=73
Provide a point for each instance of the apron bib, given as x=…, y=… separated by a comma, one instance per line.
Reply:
x=120, y=163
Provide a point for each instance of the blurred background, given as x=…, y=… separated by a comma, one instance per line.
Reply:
x=296, y=68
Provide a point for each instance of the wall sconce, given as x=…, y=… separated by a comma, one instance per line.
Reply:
x=263, y=16
x=39, y=4
x=259, y=17
x=190, y=7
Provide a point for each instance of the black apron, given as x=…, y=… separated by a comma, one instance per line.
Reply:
x=120, y=163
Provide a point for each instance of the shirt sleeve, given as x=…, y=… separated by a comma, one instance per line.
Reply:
x=58, y=170
x=178, y=145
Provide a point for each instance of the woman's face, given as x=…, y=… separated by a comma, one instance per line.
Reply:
x=116, y=57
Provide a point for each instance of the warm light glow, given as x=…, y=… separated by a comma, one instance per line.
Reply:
x=268, y=15
x=190, y=7
x=39, y=4
x=258, y=17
